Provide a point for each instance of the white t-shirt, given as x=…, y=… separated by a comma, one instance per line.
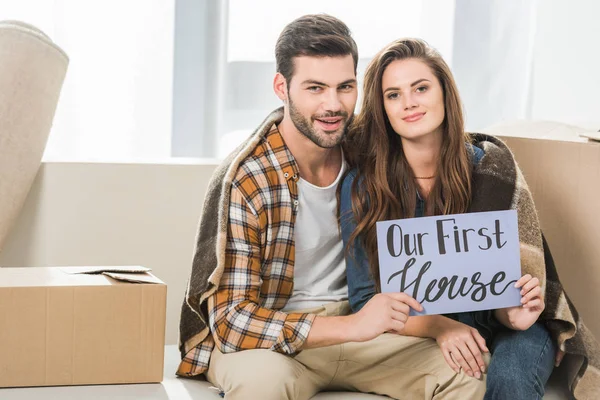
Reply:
x=320, y=268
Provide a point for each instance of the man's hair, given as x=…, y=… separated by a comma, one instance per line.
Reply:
x=315, y=35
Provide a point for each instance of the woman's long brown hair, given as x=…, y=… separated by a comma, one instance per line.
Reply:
x=385, y=186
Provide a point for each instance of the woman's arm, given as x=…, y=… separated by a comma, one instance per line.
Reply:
x=361, y=286
x=461, y=345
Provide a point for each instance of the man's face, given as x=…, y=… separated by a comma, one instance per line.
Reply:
x=321, y=97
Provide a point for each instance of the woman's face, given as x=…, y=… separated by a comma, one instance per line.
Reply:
x=413, y=99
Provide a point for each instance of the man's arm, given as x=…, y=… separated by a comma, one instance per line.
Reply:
x=237, y=321
x=385, y=312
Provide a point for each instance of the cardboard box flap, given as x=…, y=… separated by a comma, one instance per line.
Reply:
x=132, y=269
x=74, y=276
x=134, y=278
x=595, y=136
x=132, y=274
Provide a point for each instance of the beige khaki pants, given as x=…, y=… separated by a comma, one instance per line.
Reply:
x=401, y=367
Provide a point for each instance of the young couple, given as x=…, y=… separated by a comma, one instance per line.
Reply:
x=283, y=303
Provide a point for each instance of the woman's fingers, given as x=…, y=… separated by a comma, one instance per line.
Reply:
x=460, y=360
x=450, y=361
x=530, y=285
x=535, y=303
x=476, y=352
x=480, y=340
x=465, y=359
x=471, y=358
x=559, y=357
x=532, y=294
x=523, y=280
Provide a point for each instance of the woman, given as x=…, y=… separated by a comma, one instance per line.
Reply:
x=411, y=157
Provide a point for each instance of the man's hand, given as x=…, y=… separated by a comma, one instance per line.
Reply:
x=385, y=312
x=532, y=304
x=462, y=347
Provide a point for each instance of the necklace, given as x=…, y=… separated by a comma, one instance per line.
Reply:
x=425, y=177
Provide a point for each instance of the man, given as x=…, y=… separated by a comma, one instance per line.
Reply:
x=266, y=315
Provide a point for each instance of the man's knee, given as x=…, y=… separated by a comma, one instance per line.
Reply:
x=255, y=374
x=263, y=387
x=462, y=386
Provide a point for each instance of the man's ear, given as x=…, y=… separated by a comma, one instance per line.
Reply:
x=280, y=87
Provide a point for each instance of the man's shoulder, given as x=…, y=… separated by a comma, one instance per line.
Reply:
x=251, y=157
x=254, y=166
x=257, y=173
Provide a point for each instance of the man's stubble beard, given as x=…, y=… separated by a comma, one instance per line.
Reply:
x=306, y=127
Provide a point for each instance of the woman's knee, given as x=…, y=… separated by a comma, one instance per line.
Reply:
x=513, y=384
x=521, y=364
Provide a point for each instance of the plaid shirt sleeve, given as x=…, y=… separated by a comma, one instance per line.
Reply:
x=237, y=320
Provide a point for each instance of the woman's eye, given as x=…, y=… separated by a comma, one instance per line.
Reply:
x=422, y=89
x=392, y=96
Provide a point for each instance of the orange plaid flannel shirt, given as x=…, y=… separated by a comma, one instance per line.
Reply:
x=259, y=262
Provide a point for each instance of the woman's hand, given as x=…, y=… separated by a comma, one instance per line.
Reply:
x=532, y=304
x=531, y=293
x=462, y=347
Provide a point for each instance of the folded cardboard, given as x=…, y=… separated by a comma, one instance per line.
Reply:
x=564, y=178
x=102, y=270
x=63, y=328
x=595, y=136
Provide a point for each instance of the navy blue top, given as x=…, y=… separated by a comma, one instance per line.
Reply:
x=361, y=285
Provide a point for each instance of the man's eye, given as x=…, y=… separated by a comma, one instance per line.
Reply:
x=314, y=88
x=346, y=87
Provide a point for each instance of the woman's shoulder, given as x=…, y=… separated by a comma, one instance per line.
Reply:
x=346, y=190
x=495, y=154
x=349, y=178
x=476, y=153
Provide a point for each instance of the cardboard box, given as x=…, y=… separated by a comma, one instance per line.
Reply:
x=62, y=327
x=564, y=178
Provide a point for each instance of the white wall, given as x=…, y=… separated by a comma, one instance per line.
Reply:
x=565, y=78
x=113, y=214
